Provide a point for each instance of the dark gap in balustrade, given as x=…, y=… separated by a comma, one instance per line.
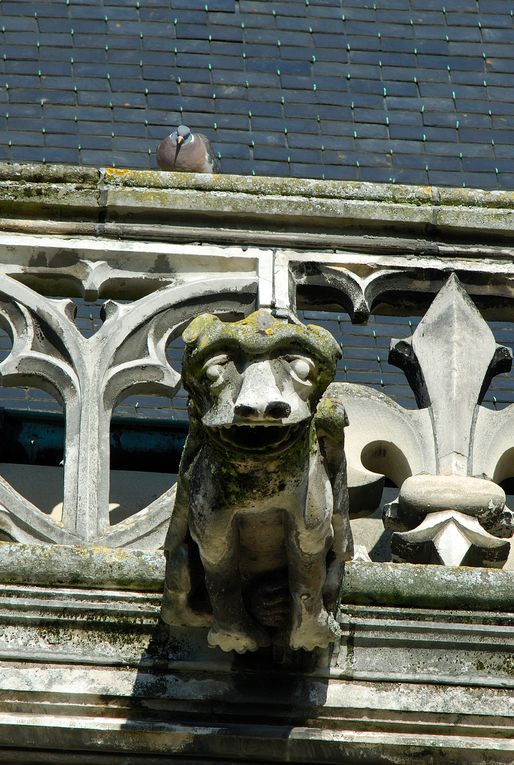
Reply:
x=26, y=412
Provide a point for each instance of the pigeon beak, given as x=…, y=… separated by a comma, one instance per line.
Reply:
x=180, y=140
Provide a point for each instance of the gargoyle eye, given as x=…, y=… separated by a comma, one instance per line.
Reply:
x=301, y=366
x=213, y=369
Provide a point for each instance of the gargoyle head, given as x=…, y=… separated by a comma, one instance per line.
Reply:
x=254, y=384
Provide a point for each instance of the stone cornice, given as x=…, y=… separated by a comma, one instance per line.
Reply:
x=252, y=210
x=91, y=669
x=372, y=584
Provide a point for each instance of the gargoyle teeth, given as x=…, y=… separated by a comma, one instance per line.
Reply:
x=265, y=438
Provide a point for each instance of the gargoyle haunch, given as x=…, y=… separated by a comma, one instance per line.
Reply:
x=259, y=532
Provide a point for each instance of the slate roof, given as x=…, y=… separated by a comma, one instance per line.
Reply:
x=411, y=91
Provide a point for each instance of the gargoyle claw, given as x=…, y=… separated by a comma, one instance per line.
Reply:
x=238, y=639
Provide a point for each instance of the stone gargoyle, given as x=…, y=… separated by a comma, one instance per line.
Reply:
x=259, y=531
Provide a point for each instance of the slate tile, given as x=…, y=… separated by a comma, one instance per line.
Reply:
x=231, y=77
x=14, y=7
x=405, y=118
x=500, y=94
x=293, y=53
x=45, y=68
x=304, y=141
x=473, y=34
x=214, y=5
x=380, y=159
x=116, y=56
x=95, y=158
x=475, y=135
x=102, y=70
x=58, y=127
x=503, y=136
x=475, y=78
x=54, y=139
x=271, y=37
x=238, y=166
x=341, y=173
x=48, y=111
x=409, y=176
x=222, y=34
x=275, y=153
x=16, y=23
x=26, y=138
x=311, y=156
x=364, y=13
x=447, y=163
x=439, y=118
x=139, y=86
x=502, y=108
x=504, y=152
x=270, y=138
x=293, y=22
x=361, y=115
x=50, y=154
x=420, y=18
x=128, y=100
x=385, y=28
x=303, y=170
x=407, y=146
x=339, y=55
x=21, y=52
x=505, y=181
x=487, y=19
x=436, y=90
x=466, y=149
x=393, y=89
x=237, y=151
x=93, y=114
x=335, y=144
x=20, y=95
x=130, y=12
x=27, y=38
x=480, y=180
x=415, y=161
x=268, y=108
x=22, y=80
x=373, y=131
x=478, y=164
x=184, y=17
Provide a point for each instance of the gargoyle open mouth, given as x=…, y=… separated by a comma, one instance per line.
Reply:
x=258, y=438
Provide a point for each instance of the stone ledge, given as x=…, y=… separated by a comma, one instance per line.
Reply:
x=94, y=567
x=379, y=584
x=87, y=665
x=121, y=198
x=442, y=587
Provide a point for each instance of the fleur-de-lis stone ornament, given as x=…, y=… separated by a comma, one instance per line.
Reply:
x=449, y=456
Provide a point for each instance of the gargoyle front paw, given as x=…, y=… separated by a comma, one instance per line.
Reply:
x=238, y=638
x=314, y=632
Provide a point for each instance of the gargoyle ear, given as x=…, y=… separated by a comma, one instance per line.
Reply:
x=198, y=326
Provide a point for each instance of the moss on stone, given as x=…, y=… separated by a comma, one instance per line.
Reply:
x=256, y=335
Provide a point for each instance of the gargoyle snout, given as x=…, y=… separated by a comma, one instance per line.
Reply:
x=259, y=396
x=275, y=410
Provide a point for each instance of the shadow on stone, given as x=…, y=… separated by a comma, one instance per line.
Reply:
x=231, y=706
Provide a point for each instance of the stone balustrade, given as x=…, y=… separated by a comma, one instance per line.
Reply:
x=423, y=667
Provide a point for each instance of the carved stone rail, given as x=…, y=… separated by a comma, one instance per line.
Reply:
x=421, y=669
x=158, y=249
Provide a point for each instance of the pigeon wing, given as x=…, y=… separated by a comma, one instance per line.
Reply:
x=211, y=160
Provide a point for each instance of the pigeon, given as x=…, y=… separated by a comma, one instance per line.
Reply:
x=187, y=152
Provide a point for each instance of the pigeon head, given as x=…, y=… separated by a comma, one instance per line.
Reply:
x=182, y=135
